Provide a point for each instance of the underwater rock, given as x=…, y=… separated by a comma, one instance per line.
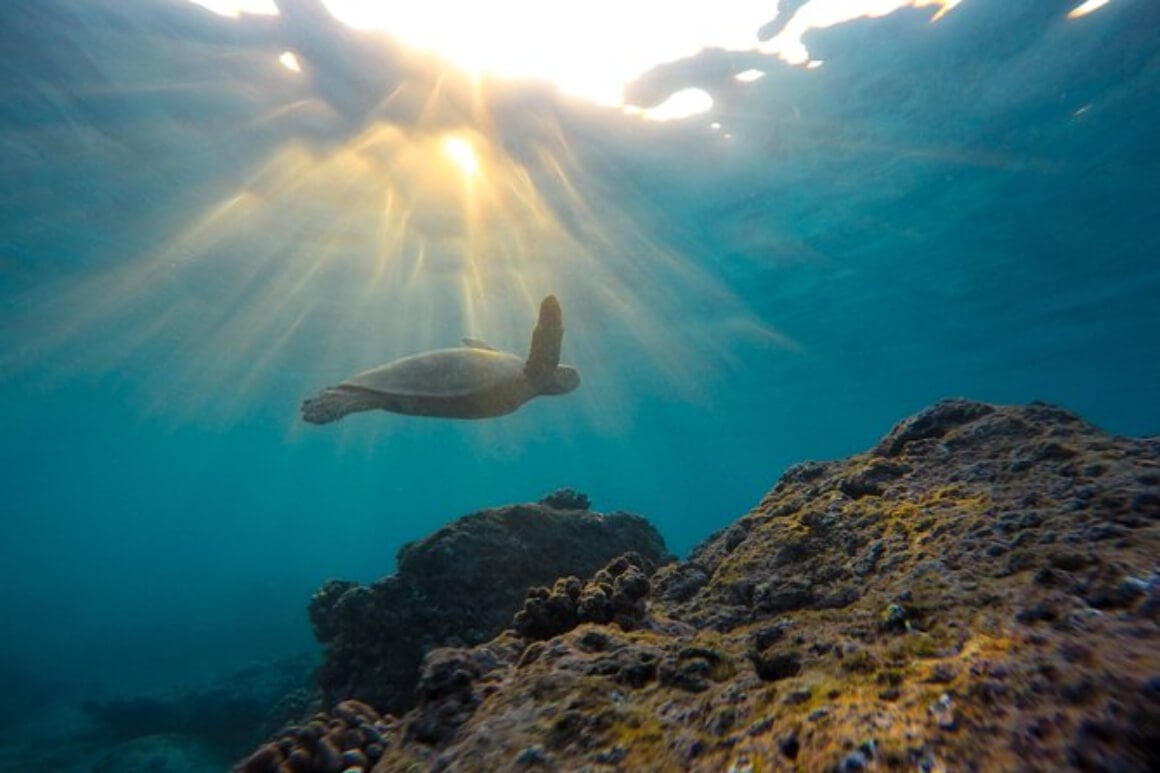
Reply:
x=460, y=587
x=446, y=692
x=228, y=714
x=567, y=499
x=977, y=592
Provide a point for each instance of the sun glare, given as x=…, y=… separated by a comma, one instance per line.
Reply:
x=290, y=61
x=233, y=9
x=1085, y=8
x=820, y=14
x=461, y=152
x=525, y=38
x=682, y=104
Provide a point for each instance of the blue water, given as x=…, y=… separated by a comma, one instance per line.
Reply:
x=961, y=209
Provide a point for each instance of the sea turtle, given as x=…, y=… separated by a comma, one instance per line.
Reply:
x=473, y=381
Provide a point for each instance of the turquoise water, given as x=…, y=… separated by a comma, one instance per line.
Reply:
x=194, y=241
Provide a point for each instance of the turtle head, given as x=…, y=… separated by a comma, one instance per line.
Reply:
x=563, y=380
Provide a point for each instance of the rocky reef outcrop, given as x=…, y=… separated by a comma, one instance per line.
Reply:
x=980, y=591
x=459, y=587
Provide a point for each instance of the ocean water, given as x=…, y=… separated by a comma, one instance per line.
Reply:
x=194, y=239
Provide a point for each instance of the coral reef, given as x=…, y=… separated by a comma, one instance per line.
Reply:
x=980, y=591
x=616, y=593
x=351, y=736
x=460, y=587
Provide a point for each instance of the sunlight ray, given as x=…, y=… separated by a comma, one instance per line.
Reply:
x=328, y=258
x=1083, y=9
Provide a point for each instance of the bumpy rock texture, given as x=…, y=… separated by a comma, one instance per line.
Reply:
x=459, y=587
x=352, y=735
x=980, y=591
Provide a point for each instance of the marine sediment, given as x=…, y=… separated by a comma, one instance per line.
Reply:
x=979, y=591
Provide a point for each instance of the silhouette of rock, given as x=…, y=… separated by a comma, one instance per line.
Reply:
x=224, y=716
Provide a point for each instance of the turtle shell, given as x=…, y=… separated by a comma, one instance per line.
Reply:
x=443, y=374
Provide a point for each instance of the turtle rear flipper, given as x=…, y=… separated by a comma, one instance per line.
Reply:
x=332, y=403
x=544, y=355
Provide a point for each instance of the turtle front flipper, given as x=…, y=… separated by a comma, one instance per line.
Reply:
x=547, y=338
x=332, y=403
